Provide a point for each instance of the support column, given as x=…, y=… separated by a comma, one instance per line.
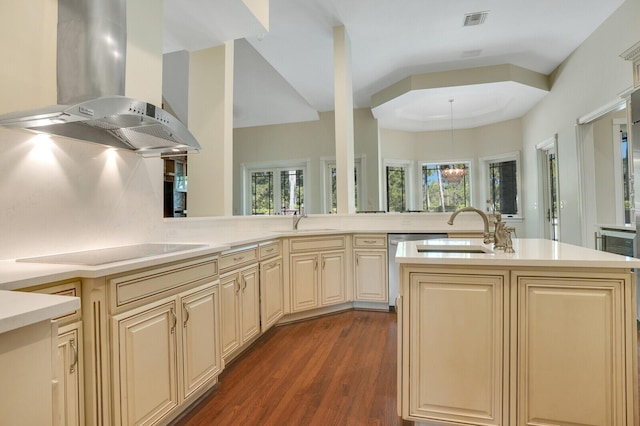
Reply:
x=210, y=173
x=343, y=95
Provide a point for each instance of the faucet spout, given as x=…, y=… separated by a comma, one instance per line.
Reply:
x=488, y=238
x=297, y=219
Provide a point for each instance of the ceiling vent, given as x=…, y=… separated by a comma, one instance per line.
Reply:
x=471, y=53
x=476, y=18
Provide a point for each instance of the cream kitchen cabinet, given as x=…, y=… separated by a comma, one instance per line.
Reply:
x=370, y=268
x=70, y=404
x=69, y=397
x=574, y=348
x=457, y=363
x=152, y=341
x=515, y=346
x=240, y=298
x=240, y=308
x=271, y=285
x=163, y=352
x=145, y=363
x=317, y=272
x=318, y=280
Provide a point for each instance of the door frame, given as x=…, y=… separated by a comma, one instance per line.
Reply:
x=542, y=148
x=585, y=154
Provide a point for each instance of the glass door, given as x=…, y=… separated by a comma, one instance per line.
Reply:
x=550, y=190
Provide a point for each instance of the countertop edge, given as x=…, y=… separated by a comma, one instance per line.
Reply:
x=30, y=308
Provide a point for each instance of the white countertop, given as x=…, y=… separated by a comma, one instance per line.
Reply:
x=18, y=309
x=528, y=252
x=626, y=227
x=16, y=275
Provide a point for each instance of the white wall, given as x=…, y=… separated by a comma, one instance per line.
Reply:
x=591, y=77
x=308, y=141
x=62, y=194
x=468, y=145
x=175, y=84
x=28, y=81
x=605, y=197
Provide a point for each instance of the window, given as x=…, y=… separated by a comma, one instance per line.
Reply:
x=501, y=176
x=331, y=194
x=396, y=188
x=503, y=187
x=262, y=192
x=445, y=187
x=276, y=190
x=626, y=177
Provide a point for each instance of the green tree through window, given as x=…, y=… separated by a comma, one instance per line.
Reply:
x=396, y=189
x=444, y=192
x=262, y=193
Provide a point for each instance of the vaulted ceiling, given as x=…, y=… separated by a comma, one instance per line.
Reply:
x=286, y=74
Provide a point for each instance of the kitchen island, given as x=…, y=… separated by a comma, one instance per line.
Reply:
x=545, y=335
x=28, y=365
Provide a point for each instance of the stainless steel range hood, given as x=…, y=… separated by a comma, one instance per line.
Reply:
x=90, y=78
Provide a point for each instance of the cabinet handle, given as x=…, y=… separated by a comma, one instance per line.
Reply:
x=369, y=241
x=74, y=347
x=187, y=314
x=323, y=263
x=238, y=284
x=357, y=260
x=238, y=258
x=270, y=249
x=315, y=265
x=175, y=320
x=244, y=283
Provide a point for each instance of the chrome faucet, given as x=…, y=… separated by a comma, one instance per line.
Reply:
x=296, y=219
x=488, y=236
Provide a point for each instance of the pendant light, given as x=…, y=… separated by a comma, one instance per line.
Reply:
x=453, y=174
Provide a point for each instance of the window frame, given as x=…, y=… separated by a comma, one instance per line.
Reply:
x=359, y=167
x=276, y=168
x=485, y=188
x=409, y=167
x=470, y=168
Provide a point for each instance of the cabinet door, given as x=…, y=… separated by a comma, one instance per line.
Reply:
x=371, y=275
x=332, y=288
x=230, y=313
x=71, y=401
x=250, y=306
x=144, y=354
x=201, y=351
x=271, y=293
x=457, y=355
x=570, y=351
x=304, y=282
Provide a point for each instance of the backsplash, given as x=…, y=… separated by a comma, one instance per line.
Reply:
x=63, y=195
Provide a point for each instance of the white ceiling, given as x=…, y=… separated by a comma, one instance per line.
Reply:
x=292, y=63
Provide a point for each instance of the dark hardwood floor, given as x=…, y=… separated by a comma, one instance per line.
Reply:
x=335, y=370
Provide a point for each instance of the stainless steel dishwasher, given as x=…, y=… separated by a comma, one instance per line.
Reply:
x=394, y=269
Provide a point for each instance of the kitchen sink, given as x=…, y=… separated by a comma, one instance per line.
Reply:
x=112, y=254
x=446, y=248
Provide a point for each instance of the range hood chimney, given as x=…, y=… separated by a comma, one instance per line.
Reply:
x=91, y=105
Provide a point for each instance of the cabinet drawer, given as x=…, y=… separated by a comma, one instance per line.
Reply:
x=269, y=249
x=370, y=240
x=132, y=287
x=237, y=257
x=64, y=289
x=317, y=243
